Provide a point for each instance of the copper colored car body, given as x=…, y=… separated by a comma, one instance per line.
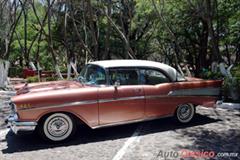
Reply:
x=110, y=93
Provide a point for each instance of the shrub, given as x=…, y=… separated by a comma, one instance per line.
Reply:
x=51, y=78
x=211, y=75
x=231, y=87
x=15, y=72
x=32, y=79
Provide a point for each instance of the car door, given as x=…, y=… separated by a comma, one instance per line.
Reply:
x=124, y=102
x=156, y=86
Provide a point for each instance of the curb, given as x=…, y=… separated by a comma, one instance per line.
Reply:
x=229, y=105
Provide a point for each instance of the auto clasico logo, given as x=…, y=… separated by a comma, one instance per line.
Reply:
x=185, y=153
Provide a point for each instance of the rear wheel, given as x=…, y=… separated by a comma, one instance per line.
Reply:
x=185, y=113
x=57, y=127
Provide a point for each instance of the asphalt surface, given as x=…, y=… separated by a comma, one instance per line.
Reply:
x=215, y=130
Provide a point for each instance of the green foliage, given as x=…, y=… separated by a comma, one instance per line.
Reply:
x=32, y=79
x=51, y=79
x=15, y=72
x=211, y=75
x=33, y=27
x=181, y=33
x=231, y=86
x=236, y=72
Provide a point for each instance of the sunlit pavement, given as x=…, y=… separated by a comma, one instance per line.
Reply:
x=215, y=130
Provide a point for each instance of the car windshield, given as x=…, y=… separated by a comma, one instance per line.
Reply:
x=92, y=75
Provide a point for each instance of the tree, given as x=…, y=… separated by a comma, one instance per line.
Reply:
x=58, y=35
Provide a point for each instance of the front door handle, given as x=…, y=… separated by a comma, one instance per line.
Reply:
x=138, y=90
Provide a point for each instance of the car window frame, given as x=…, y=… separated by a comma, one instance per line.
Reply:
x=159, y=70
x=138, y=71
x=105, y=71
x=124, y=68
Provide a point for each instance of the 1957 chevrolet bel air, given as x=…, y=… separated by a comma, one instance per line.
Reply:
x=109, y=93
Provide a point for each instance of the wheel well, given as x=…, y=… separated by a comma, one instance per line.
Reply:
x=74, y=117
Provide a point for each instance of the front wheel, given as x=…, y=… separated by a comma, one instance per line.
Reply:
x=185, y=113
x=57, y=127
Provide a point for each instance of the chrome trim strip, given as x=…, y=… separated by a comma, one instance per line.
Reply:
x=78, y=103
x=120, y=99
x=209, y=91
x=156, y=96
x=131, y=121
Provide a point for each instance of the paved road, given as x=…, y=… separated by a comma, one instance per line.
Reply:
x=212, y=130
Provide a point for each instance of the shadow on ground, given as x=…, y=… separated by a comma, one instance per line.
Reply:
x=212, y=140
x=85, y=135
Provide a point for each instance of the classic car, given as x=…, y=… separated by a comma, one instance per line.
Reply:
x=108, y=93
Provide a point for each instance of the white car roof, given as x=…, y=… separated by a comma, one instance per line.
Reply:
x=172, y=73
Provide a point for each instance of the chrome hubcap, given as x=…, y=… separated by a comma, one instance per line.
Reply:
x=58, y=126
x=185, y=112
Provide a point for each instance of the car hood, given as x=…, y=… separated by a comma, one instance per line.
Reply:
x=46, y=86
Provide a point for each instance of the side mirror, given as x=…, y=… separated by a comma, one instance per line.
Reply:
x=117, y=83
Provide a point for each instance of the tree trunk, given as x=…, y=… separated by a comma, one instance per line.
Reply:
x=4, y=66
x=228, y=55
x=201, y=60
x=82, y=43
x=93, y=27
x=212, y=35
x=69, y=56
x=127, y=45
x=237, y=60
x=170, y=31
x=25, y=15
x=108, y=30
x=85, y=37
x=50, y=44
x=13, y=25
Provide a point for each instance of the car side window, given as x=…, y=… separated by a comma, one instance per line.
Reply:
x=152, y=77
x=95, y=75
x=124, y=76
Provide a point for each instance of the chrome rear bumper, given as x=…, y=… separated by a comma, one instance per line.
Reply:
x=17, y=126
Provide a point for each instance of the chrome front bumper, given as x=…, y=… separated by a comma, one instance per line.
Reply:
x=17, y=126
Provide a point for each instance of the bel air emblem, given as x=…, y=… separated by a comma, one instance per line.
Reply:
x=25, y=106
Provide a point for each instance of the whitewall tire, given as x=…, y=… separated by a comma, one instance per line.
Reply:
x=58, y=127
x=185, y=113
